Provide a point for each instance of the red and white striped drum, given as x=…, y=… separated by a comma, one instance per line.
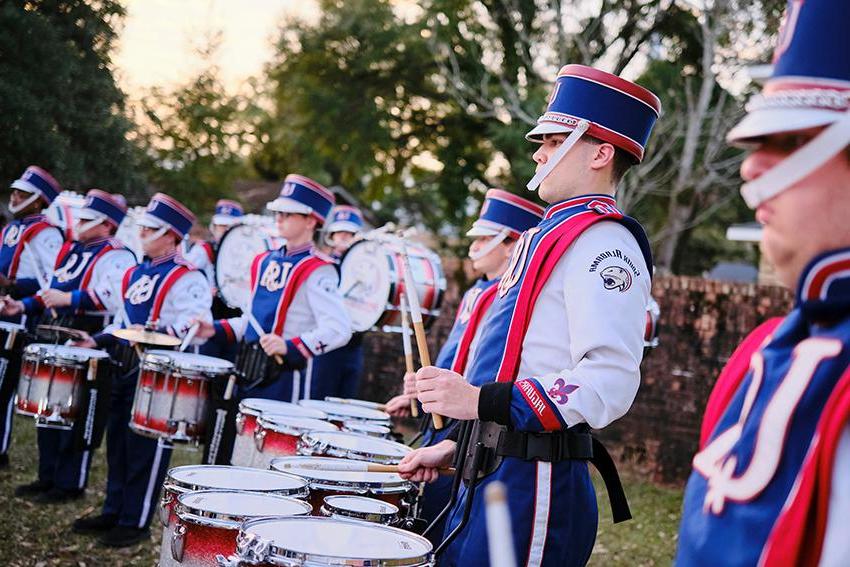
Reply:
x=192, y=478
x=172, y=394
x=278, y=436
x=387, y=487
x=371, y=281
x=363, y=508
x=309, y=542
x=52, y=382
x=208, y=523
x=341, y=412
x=342, y=445
x=246, y=423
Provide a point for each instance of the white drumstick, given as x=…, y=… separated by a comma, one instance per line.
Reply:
x=190, y=335
x=408, y=349
x=500, y=541
x=260, y=332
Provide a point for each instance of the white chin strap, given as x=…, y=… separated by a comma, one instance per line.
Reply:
x=89, y=225
x=490, y=246
x=147, y=240
x=15, y=209
x=800, y=164
x=562, y=150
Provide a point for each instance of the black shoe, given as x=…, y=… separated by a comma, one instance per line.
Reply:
x=99, y=524
x=57, y=496
x=33, y=489
x=124, y=536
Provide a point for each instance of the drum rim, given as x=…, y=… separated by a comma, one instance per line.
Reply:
x=383, y=486
x=56, y=355
x=172, y=356
x=188, y=513
x=311, y=442
x=178, y=486
x=330, y=510
x=247, y=410
x=276, y=552
x=380, y=416
x=264, y=424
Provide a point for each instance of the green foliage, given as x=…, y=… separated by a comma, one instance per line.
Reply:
x=59, y=105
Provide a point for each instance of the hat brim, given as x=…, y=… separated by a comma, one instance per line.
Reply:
x=225, y=220
x=343, y=226
x=482, y=231
x=85, y=213
x=765, y=122
x=24, y=186
x=149, y=221
x=285, y=205
x=536, y=134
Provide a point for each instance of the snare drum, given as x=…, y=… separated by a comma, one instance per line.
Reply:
x=172, y=394
x=371, y=279
x=308, y=542
x=355, y=402
x=191, y=478
x=345, y=507
x=208, y=522
x=388, y=487
x=354, y=446
x=339, y=413
x=366, y=428
x=278, y=435
x=246, y=423
x=52, y=382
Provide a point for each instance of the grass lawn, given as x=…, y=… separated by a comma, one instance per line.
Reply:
x=40, y=536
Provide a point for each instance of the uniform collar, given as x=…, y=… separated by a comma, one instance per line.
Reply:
x=96, y=242
x=590, y=200
x=824, y=288
x=32, y=218
x=294, y=251
x=163, y=259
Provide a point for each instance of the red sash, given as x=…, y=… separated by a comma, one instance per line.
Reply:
x=299, y=275
x=30, y=232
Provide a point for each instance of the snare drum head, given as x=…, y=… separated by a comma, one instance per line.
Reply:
x=191, y=361
x=355, y=426
x=356, y=442
x=289, y=423
x=201, y=477
x=256, y=406
x=63, y=352
x=229, y=503
x=360, y=504
x=307, y=467
x=343, y=539
x=347, y=411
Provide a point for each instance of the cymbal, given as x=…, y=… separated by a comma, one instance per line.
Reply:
x=76, y=333
x=146, y=337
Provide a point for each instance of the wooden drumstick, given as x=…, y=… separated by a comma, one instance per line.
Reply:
x=418, y=326
x=408, y=350
x=497, y=515
x=350, y=466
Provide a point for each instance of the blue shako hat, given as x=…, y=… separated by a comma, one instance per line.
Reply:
x=300, y=194
x=99, y=203
x=505, y=211
x=164, y=210
x=38, y=181
x=618, y=111
x=345, y=218
x=227, y=212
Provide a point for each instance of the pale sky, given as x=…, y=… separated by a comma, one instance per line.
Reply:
x=158, y=42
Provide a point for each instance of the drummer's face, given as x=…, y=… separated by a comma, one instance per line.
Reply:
x=494, y=263
x=342, y=240
x=218, y=231
x=159, y=246
x=294, y=226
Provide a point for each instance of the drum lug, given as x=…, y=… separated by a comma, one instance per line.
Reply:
x=260, y=438
x=178, y=542
x=163, y=508
x=240, y=423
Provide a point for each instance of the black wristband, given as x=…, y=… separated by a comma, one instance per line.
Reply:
x=494, y=402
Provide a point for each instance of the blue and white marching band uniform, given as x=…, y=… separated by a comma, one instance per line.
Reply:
x=769, y=485
x=563, y=342
x=28, y=249
x=294, y=295
x=337, y=373
x=503, y=215
x=92, y=272
x=167, y=294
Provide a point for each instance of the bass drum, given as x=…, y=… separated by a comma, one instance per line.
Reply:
x=372, y=280
x=236, y=252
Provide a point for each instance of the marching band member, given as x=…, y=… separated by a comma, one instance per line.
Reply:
x=295, y=311
x=503, y=218
x=166, y=294
x=27, y=254
x=84, y=290
x=561, y=349
x=337, y=373
x=768, y=485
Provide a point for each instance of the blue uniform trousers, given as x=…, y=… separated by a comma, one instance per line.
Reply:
x=136, y=464
x=437, y=493
x=59, y=461
x=337, y=373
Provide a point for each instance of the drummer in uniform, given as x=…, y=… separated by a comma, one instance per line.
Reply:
x=295, y=312
x=84, y=291
x=562, y=346
x=337, y=373
x=164, y=294
x=27, y=254
x=504, y=216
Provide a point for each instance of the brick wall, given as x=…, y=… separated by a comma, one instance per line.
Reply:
x=702, y=321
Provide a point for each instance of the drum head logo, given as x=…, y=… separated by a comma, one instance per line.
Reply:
x=615, y=277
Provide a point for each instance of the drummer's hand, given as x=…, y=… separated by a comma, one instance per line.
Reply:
x=205, y=328
x=273, y=344
x=85, y=341
x=6, y=282
x=422, y=465
x=410, y=383
x=53, y=298
x=446, y=393
x=11, y=306
x=399, y=406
